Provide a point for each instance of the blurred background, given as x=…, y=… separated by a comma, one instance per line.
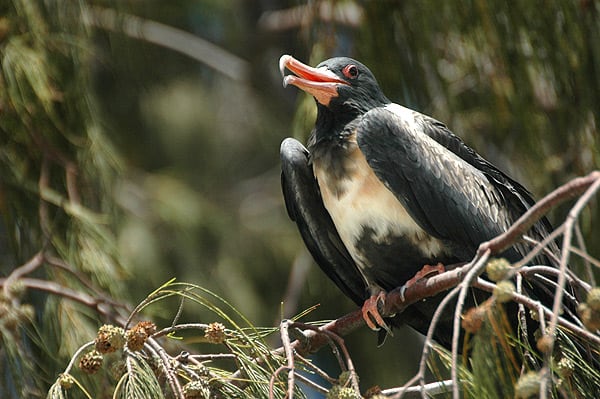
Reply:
x=174, y=139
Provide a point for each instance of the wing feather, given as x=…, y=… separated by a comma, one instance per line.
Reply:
x=305, y=207
x=450, y=191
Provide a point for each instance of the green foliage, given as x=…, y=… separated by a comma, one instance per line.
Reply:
x=54, y=162
x=517, y=81
x=150, y=370
x=501, y=365
x=139, y=381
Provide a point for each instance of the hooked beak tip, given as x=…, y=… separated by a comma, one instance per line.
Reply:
x=283, y=61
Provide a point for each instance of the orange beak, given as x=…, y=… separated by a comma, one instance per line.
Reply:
x=321, y=83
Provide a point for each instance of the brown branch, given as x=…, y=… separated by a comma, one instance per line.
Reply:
x=316, y=370
x=170, y=374
x=569, y=224
x=85, y=281
x=472, y=275
x=289, y=355
x=32, y=264
x=289, y=346
x=60, y=290
x=272, y=381
x=428, y=344
x=587, y=260
x=340, y=343
x=544, y=312
x=302, y=16
x=169, y=37
x=564, y=193
x=397, y=300
x=412, y=392
x=180, y=327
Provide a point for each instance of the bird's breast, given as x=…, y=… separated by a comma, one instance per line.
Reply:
x=366, y=214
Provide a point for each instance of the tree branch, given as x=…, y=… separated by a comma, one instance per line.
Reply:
x=81, y=297
x=564, y=193
x=462, y=277
x=32, y=264
x=172, y=38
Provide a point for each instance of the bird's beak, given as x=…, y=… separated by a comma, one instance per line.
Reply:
x=321, y=83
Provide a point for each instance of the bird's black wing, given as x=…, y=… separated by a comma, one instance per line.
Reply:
x=449, y=197
x=305, y=207
x=516, y=197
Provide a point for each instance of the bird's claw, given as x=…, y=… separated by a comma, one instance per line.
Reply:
x=371, y=315
x=425, y=272
x=402, y=291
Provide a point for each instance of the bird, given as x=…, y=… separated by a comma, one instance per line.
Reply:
x=381, y=190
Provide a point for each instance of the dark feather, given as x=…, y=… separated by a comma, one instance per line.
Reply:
x=305, y=207
x=462, y=202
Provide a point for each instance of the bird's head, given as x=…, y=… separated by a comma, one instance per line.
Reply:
x=340, y=84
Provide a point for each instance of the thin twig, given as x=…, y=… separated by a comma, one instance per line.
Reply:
x=172, y=38
x=572, y=279
x=273, y=378
x=289, y=355
x=30, y=266
x=87, y=283
x=587, y=260
x=180, y=327
x=428, y=344
x=565, y=192
x=465, y=285
x=541, y=246
x=311, y=383
x=413, y=392
x=591, y=261
x=545, y=313
x=572, y=217
x=77, y=354
x=171, y=376
x=211, y=356
x=522, y=317
x=550, y=253
x=68, y=293
x=340, y=343
x=321, y=373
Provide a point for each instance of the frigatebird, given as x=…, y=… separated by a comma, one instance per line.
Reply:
x=382, y=190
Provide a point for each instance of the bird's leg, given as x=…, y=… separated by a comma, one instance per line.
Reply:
x=371, y=307
x=370, y=311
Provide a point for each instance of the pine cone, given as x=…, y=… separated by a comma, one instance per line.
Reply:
x=110, y=338
x=91, y=362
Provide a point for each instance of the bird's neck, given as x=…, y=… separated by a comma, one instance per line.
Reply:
x=331, y=126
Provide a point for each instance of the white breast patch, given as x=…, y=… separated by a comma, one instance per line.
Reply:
x=364, y=201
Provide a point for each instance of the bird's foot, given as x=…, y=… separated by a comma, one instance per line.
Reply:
x=370, y=312
x=426, y=272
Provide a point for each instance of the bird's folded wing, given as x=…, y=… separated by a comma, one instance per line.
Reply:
x=447, y=196
x=305, y=207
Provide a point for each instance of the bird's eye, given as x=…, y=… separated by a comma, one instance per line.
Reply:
x=350, y=71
